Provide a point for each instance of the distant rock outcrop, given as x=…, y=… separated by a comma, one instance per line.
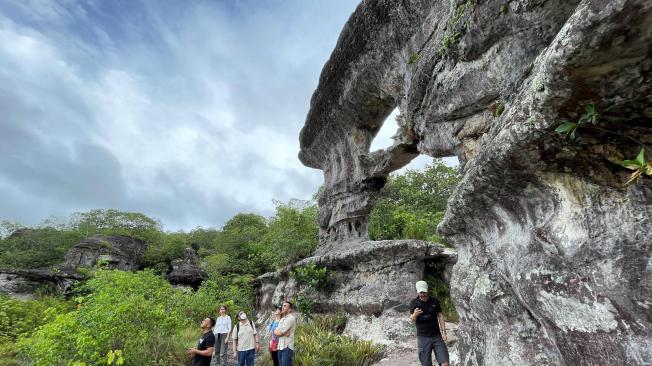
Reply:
x=24, y=283
x=114, y=252
x=186, y=272
x=554, y=250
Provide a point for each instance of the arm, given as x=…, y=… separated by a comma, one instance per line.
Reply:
x=285, y=327
x=207, y=352
x=414, y=314
x=442, y=326
x=256, y=338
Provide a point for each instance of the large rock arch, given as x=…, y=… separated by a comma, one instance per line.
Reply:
x=554, y=253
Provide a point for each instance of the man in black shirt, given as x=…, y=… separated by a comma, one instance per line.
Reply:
x=431, y=327
x=204, y=351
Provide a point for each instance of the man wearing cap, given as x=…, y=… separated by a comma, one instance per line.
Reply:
x=425, y=311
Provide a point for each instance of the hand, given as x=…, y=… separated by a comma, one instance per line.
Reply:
x=190, y=351
x=444, y=337
x=418, y=311
x=257, y=347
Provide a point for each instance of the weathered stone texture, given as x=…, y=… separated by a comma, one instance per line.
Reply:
x=554, y=253
x=116, y=252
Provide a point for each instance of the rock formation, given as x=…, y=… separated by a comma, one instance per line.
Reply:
x=554, y=252
x=116, y=252
x=24, y=283
x=185, y=271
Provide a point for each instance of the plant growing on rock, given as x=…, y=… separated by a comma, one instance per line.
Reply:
x=592, y=116
x=312, y=276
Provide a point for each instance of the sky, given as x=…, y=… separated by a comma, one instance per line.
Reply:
x=186, y=111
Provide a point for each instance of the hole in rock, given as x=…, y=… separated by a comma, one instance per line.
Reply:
x=383, y=138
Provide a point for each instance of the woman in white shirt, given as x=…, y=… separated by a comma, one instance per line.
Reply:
x=221, y=330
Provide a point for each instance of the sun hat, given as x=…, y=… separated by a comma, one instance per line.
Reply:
x=422, y=286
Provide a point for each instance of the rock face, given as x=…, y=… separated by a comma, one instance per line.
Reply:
x=372, y=281
x=24, y=283
x=554, y=251
x=116, y=252
x=185, y=271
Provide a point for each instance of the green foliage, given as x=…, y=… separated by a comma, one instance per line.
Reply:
x=19, y=318
x=413, y=58
x=413, y=204
x=590, y=115
x=639, y=166
x=37, y=247
x=439, y=289
x=292, y=235
x=454, y=33
x=168, y=247
x=497, y=109
x=305, y=304
x=312, y=276
x=136, y=313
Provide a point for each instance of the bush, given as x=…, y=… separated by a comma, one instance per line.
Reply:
x=312, y=276
x=440, y=290
x=131, y=312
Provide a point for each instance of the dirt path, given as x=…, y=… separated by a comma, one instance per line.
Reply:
x=400, y=357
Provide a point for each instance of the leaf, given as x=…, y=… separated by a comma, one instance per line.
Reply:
x=638, y=163
x=567, y=127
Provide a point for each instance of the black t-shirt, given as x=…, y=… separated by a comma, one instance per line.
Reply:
x=427, y=323
x=207, y=340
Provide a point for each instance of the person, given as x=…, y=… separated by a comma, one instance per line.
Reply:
x=285, y=332
x=245, y=341
x=273, y=340
x=426, y=312
x=221, y=331
x=202, y=354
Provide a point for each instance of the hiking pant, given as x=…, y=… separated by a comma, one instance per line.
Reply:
x=246, y=358
x=219, y=353
x=426, y=345
x=285, y=356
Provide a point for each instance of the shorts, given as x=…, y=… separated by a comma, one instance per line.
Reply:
x=426, y=345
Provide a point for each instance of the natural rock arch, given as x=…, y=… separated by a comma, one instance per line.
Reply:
x=554, y=254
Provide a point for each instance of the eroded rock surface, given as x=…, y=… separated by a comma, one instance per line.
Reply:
x=114, y=252
x=372, y=281
x=186, y=272
x=554, y=252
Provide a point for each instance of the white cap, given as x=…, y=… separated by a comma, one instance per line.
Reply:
x=422, y=286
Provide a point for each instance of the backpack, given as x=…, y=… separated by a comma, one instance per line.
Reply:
x=237, y=325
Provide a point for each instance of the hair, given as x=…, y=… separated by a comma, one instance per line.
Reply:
x=225, y=308
x=289, y=303
x=212, y=320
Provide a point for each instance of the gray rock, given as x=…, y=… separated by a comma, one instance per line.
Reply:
x=373, y=282
x=115, y=252
x=25, y=283
x=554, y=253
x=186, y=272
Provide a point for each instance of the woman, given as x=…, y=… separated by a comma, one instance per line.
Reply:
x=273, y=340
x=245, y=340
x=221, y=331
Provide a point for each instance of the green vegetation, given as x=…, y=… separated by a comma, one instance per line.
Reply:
x=413, y=204
x=590, y=119
x=439, y=289
x=455, y=29
x=125, y=318
x=320, y=342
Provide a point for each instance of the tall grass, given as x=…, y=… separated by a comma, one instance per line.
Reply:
x=319, y=342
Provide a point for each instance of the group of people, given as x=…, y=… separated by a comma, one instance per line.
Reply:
x=213, y=344
x=425, y=312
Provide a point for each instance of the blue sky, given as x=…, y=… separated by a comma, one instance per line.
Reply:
x=187, y=111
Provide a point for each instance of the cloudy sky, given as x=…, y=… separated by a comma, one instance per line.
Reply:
x=187, y=111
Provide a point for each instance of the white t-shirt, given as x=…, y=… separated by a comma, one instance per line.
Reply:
x=287, y=323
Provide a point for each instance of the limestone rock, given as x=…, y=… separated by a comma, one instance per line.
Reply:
x=116, y=252
x=554, y=253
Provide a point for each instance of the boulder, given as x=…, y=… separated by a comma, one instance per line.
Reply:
x=114, y=252
x=186, y=272
x=372, y=281
x=25, y=283
x=554, y=261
